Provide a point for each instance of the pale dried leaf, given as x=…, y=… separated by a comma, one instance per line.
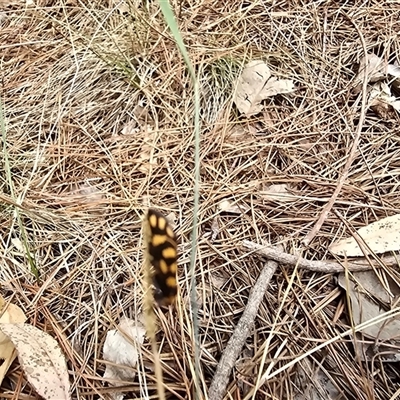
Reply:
x=130, y=128
x=41, y=359
x=381, y=95
x=217, y=281
x=214, y=229
x=369, y=281
x=396, y=105
x=276, y=86
x=375, y=67
x=379, y=89
x=121, y=348
x=368, y=352
x=250, y=83
x=363, y=309
x=171, y=218
x=382, y=102
x=17, y=243
x=228, y=206
x=256, y=84
x=279, y=193
x=394, y=70
x=381, y=236
x=12, y=314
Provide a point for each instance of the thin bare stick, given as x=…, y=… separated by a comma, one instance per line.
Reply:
x=242, y=331
x=329, y=267
x=324, y=215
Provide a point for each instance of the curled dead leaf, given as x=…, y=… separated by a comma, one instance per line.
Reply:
x=256, y=84
x=382, y=101
x=10, y=315
x=121, y=349
x=229, y=207
x=385, y=333
x=41, y=359
x=278, y=193
x=376, y=69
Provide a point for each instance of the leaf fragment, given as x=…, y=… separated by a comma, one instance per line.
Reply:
x=230, y=207
x=41, y=359
x=385, y=334
x=278, y=192
x=256, y=84
x=380, y=236
x=121, y=349
x=11, y=315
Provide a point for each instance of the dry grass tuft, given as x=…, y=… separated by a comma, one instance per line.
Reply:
x=99, y=111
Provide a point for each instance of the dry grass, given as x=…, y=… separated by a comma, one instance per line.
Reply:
x=75, y=75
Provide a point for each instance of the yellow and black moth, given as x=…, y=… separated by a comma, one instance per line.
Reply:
x=162, y=252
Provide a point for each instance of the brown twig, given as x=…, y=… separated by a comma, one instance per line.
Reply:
x=328, y=267
x=242, y=331
x=324, y=215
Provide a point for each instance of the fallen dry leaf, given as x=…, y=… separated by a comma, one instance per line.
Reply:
x=381, y=236
x=256, y=84
x=364, y=309
x=217, y=280
x=10, y=315
x=41, y=359
x=229, y=207
x=376, y=68
x=381, y=96
x=121, y=348
x=393, y=70
x=214, y=229
x=277, y=193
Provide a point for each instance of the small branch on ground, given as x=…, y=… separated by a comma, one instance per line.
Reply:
x=328, y=267
x=242, y=331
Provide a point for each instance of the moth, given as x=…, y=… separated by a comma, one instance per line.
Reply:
x=162, y=253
